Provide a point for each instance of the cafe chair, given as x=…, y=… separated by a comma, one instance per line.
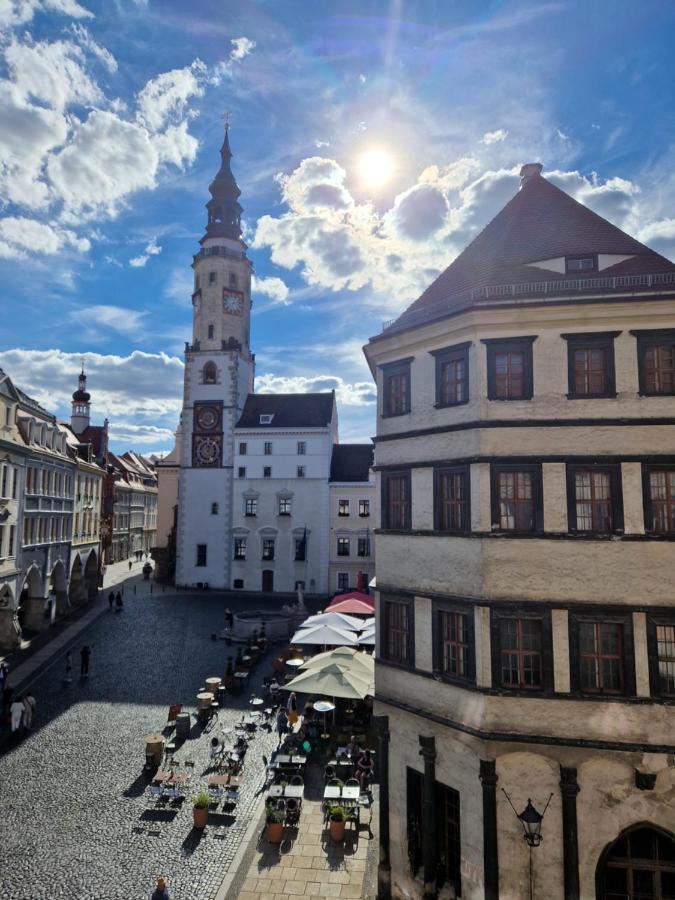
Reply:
x=352, y=782
x=297, y=779
x=293, y=807
x=328, y=773
x=334, y=782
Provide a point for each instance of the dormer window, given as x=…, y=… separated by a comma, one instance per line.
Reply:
x=580, y=263
x=266, y=419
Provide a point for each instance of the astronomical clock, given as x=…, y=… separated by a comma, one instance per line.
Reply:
x=207, y=435
x=233, y=302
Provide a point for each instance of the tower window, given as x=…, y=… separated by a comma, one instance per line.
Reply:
x=209, y=373
x=201, y=554
x=212, y=277
x=214, y=509
x=233, y=279
x=210, y=332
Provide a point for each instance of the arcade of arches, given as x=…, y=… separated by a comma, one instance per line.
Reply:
x=639, y=865
x=83, y=580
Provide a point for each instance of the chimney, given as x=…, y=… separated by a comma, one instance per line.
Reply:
x=529, y=171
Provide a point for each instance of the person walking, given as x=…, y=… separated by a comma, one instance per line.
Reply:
x=111, y=600
x=118, y=599
x=85, y=655
x=16, y=711
x=29, y=704
x=69, y=667
x=130, y=564
x=282, y=724
x=292, y=709
x=161, y=891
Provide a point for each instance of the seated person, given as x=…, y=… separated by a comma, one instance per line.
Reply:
x=216, y=748
x=352, y=748
x=364, y=768
x=275, y=690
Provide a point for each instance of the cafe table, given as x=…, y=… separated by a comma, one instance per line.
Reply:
x=164, y=776
x=296, y=791
x=290, y=759
x=335, y=792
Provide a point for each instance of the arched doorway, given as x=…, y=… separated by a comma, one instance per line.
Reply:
x=639, y=865
x=76, y=588
x=32, y=602
x=58, y=588
x=91, y=576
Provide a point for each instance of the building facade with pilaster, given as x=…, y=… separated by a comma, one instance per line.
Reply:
x=525, y=459
x=353, y=512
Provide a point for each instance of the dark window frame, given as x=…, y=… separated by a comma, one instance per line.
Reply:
x=266, y=542
x=250, y=506
x=267, y=471
x=364, y=542
x=440, y=610
x=267, y=448
x=591, y=256
x=243, y=448
x=414, y=817
x=343, y=540
x=364, y=507
x=394, y=370
x=284, y=506
x=497, y=616
x=616, y=491
x=535, y=469
x=654, y=621
x=595, y=340
x=341, y=576
x=239, y=548
x=241, y=472
x=510, y=345
x=300, y=471
x=464, y=473
x=387, y=477
x=456, y=353
x=408, y=662
x=625, y=620
x=646, y=338
x=202, y=556
x=341, y=502
x=448, y=837
x=648, y=501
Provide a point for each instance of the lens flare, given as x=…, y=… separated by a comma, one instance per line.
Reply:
x=375, y=167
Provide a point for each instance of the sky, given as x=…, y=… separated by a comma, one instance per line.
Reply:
x=372, y=141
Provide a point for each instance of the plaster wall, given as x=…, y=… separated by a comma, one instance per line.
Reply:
x=167, y=499
x=353, y=526
x=284, y=459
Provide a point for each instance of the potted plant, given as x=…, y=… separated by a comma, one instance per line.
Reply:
x=274, y=820
x=337, y=823
x=200, y=809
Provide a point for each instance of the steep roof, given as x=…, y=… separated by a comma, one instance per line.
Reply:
x=350, y=462
x=288, y=410
x=539, y=223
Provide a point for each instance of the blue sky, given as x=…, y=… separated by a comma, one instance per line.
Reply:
x=110, y=126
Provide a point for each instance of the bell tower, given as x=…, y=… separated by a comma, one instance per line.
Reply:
x=219, y=370
x=80, y=410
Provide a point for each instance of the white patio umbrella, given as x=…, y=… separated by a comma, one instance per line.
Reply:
x=335, y=619
x=367, y=637
x=324, y=635
x=334, y=680
x=351, y=657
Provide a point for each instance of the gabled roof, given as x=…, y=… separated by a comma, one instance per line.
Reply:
x=351, y=462
x=539, y=223
x=288, y=410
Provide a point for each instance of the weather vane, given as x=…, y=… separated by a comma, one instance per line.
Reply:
x=226, y=119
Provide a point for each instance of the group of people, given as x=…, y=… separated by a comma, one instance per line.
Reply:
x=85, y=657
x=115, y=599
x=365, y=764
x=17, y=709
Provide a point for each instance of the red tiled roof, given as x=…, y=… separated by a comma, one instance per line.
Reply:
x=540, y=222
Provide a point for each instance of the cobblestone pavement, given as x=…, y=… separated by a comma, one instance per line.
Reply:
x=74, y=818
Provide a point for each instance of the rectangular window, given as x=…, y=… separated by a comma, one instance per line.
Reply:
x=580, y=263
x=284, y=506
x=343, y=546
x=2, y=541
x=451, y=496
x=268, y=448
x=300, y=549
x=201, y=554
x=509, y=368
x=396, y=505
x=343, y=581
x=12, y=535
x=659, y=499
x=343, y=507
x=517, y=498
x=396, y=388
x=267, y=472
x=251, y=507
x=594, y=499
x=448, y=837
x=656, y=361
x=601, y=669
x=590, y=364
x=665, y=658
x=302, y=447
x=520, y=643
x=268, y=548
x=398, y=638
x=15, y=482
x=241, y=471
x=452, y=375
x=5, y=480
x=414, y=818
x=240, y=548
x=364, y=508
x=243, y=448
x=363, y=546
x=300, y=471
x=454, y=644
x=212, y=277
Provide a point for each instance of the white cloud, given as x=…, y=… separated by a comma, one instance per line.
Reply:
x=18, y=12
x=20, y=236
x=319, y=144
x=51, y=73
x=272, y=287
x=92, y=318
x=83, y=36
x=241, y=47
x=360, y=393
x=494, y=137
x=164, y=98
x=151, y=249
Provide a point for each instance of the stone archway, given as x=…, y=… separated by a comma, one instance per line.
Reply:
x=638, y=865
x=76, y=587
x=10, y=630
x=58, y=587
x=91, y=576
x=31, y=610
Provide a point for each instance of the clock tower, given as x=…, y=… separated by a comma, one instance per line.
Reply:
x=219, y=369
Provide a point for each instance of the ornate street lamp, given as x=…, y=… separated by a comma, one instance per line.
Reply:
x=530, y=819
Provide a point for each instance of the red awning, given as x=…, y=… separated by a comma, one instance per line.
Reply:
x=354, y=603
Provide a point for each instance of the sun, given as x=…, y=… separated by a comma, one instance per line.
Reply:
x=375, y=167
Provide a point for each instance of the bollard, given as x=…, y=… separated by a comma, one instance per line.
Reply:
x=134, y=590
x=150, y=588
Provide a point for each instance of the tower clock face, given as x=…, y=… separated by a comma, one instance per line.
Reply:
x=232, y=303
x=207, y=452
x=207, y=418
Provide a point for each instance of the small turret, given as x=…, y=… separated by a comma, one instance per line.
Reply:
x=81, y=407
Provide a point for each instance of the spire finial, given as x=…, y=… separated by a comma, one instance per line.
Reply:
x=226, y=119
x=82, y=364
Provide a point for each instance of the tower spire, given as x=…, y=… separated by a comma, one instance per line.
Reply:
x=81, y=407
x=224, y=209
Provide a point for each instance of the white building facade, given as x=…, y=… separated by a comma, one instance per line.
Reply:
x=353, y=517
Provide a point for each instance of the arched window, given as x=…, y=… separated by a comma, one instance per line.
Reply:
x=210, y=332
x=639, y=864
x=209, y=373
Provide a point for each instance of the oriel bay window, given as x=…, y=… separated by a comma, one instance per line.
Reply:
x=656, y=361
x=594, y=499
x=452, y=375
x=522, y=656
x=452, y=499
x=590, y=363
x=509, y=368
x=661, y=647
x=396, y=500
x=601, y=655
x=396, y=387
x=516, y=494
x=454, y=643
x=397, y=640
x=658, y=485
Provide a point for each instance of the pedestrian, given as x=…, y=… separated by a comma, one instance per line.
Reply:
x=161, y=891
x=282, y=724
x=29, y=704
x=130, y=563
x=69, y=667
x=16, y=711
x=118, y=599
x=229, y=618
x=292, y=709
x=111, y=600
x=4, y=672
x=85, y=654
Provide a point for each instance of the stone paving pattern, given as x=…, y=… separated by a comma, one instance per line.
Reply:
x=73, y=790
